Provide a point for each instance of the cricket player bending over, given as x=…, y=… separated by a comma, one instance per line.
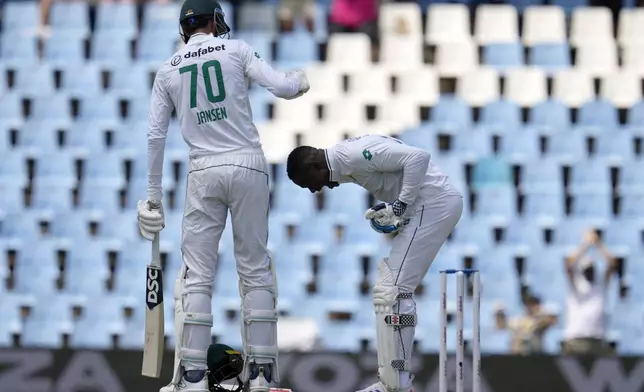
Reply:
x=206, y=82
x=421, y=208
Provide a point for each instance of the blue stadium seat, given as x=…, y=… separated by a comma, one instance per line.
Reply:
x=102, y=111
x=49, y=320
x=501, y=116
x=550, y=116
x=472, y=144
x=320, y=19
x=592, y=204
x=63, y=49
x=53, y=195
x=569, y=232
x=451, y=114
x=39, y=137
x=23, y=225
x=296, y=49
x=590, y=175
x=11, y=197
x=72, y=17
x=130, y=81
x=350, y=199
x=99, y=195
x=259, y=17
x=520, y=146
x=20, y=17
x=86, y=139
x=491, y=172
x=161, y=18
x=131, y=267
x=137, y=190
x=567, y=146
x=496, y=202
x=503, y=56
x=86, y=268
x=109, y=50
x=635, y=117
x=632, y=206
x=616, y=147
x=543, y=205
x=139, y=111
x=74, y=225
x=631, y=178
x=628, y=232
x=14, y=168
x=56, y=166
x=152, y=49
x=541, y=175
x=33, y=81
x=105, y=168
x=134, y=330
x=81, y=81
x=140, y=171
x=524, y=233
x=260, y=41
x=99, y=323
x=10, y=305
x=598, y=116
x=550, y=57
x=17, y=56
x=291, y=198
x=11, y=110
x=37, y=269
x=422, y=137
x=570, y=5
x=118, y=18
x=54, y=110
x=4, y=83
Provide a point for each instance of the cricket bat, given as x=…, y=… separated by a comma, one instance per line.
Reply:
x=154, y=345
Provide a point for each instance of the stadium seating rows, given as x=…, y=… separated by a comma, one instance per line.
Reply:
x=542, y=133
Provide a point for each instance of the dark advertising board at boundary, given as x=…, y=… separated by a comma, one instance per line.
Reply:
x=119, y=371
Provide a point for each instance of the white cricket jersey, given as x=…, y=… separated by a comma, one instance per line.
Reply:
x=207, y=83
x=387, y=168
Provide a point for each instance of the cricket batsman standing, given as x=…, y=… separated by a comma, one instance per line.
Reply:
x=420, y=208
x=206, y=82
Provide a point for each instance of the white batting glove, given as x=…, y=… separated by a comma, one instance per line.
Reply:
x=304, y=82
x=387, y=218
x=150, y=217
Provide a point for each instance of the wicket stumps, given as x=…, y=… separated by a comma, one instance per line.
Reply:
x=460, y=344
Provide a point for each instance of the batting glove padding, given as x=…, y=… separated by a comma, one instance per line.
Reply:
x=304, y=82
x=383, y=218
x=150, y=218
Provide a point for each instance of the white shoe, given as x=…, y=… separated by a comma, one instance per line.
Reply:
x=378, y=387
x=261, y=382
x=187, y=386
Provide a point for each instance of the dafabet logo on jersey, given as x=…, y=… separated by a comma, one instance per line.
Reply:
x=202, y=51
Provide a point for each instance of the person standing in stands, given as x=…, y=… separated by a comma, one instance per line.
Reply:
x=206, y=82
x=584, y=331
x=356, y=16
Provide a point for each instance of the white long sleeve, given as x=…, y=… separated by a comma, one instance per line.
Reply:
x=161, y=107
x=411, y=161
x=280, y=84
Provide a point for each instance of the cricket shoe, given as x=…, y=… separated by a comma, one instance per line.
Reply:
x=260, y=378
x=379, y=387
x=192, y=381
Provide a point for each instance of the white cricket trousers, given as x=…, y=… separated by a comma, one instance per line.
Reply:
x=413, y=251
x=236, y=181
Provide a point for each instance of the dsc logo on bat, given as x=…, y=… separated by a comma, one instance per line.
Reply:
x=154, y=288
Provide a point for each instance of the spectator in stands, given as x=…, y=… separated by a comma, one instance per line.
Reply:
x=356, y=16
x=527, y=330
x=585, y=303
x=292, y=11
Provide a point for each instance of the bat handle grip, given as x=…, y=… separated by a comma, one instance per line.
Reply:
x=156, y=253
